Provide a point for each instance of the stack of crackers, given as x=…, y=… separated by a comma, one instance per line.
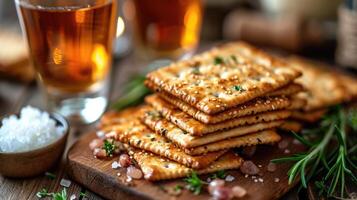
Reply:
x=323, y=88
x=228, y=97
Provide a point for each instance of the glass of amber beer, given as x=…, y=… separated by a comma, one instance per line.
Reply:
x=70, y=44
x=166, y=28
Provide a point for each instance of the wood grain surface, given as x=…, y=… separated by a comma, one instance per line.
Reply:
x=99, y=177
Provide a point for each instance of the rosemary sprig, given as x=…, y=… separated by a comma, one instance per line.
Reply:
x=334, y=166
x=135, y=90
x=134, y=93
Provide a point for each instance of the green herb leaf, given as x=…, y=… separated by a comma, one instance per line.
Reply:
x=55, y=196
x=82, y=194
x=60, y=195
x=218, y=60
x=196, y=71
x=50, y=175
x=239, y=88
x=109, y=147
x=234, y=58
x=178, y=188
x=43, y=193
x=221, y=174
x=194, y=183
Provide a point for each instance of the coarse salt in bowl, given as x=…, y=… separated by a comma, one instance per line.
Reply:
x=31, y=142
x=33, y=129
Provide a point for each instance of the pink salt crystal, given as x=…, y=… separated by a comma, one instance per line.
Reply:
x=248, y=167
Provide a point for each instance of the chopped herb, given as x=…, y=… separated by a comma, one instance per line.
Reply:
x=178, y=188
x=153, y=114
x=234, y=58
x=239, y=88
x=55, y=196
x=152, y=139
x=60, y=195
x=50, y=175
x=43, y=193
x=221, y=174
x=109, y=147
x=218, y=60
x=194, y=183
x=82, y=194
x=196, y=71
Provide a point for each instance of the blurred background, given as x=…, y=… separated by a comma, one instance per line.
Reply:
x=320, y=29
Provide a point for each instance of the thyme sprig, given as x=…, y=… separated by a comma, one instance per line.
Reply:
x=334, y=166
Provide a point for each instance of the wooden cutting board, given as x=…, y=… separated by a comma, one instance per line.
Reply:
x=98, y=175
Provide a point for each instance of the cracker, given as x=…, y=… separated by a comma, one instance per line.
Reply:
x=291, y=89
x=291, y=125
x=195, y=127
x=185, y=140
x=255, y=106
x=311, y=117
x=155, y=168
x=350, y=84
x=211, y=87
x=124, y=116
x=297, y=103
x=139, y=136
x=323, y=86
x=263, y=137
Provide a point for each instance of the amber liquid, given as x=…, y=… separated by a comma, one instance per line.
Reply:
x=70, y=44
x=167, y=28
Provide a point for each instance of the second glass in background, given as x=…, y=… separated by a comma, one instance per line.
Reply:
x=165, y=29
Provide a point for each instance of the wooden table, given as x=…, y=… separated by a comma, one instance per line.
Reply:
x=13, y=96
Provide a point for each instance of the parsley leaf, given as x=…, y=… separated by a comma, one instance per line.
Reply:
x=194, y=183
x=109, y=147
x=43, y=193
x=55, y=196
x=218, y=60
x=239, y=88
x=60, y=195
x=195, y=71
x=178, y=188
x=221, y=174
x=234, y=58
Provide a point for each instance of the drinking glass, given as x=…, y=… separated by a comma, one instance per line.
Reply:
x=70, y=43
x=166, y=28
